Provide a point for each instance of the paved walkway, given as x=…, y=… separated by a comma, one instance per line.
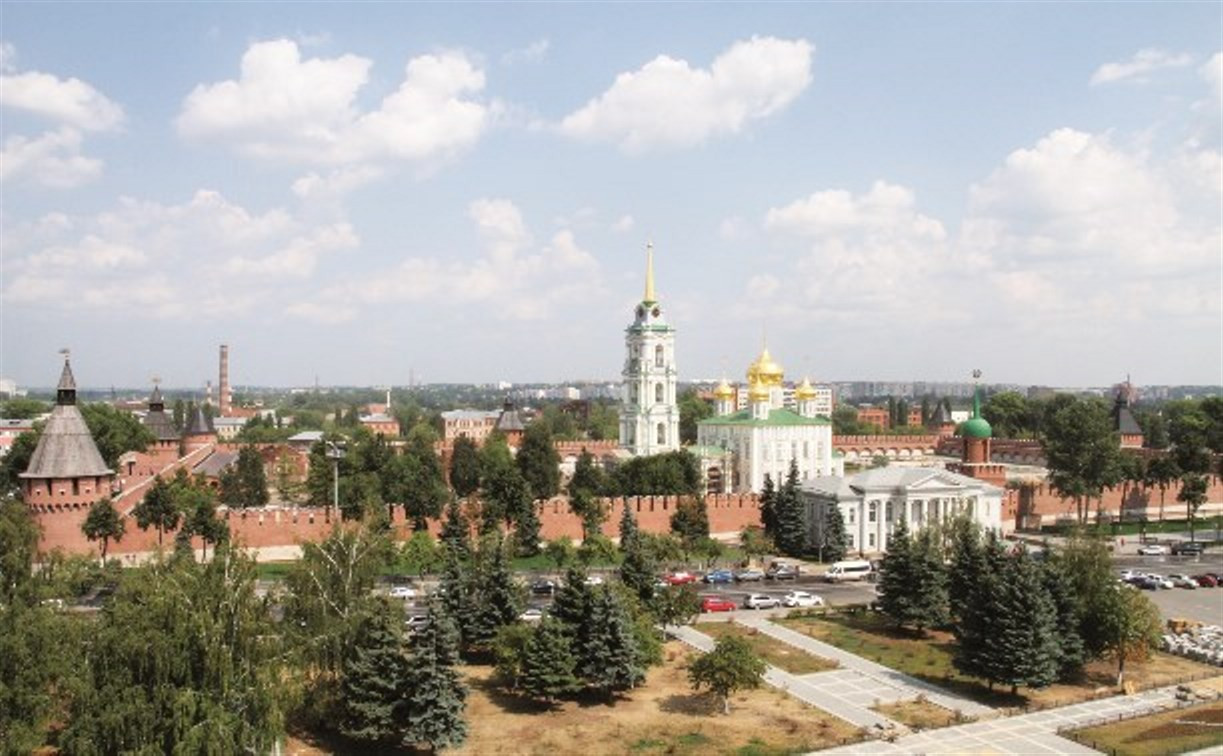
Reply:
x=1024, y=734
x=879, y=682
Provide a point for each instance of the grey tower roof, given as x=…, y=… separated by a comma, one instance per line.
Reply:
x=200, y=424
x=66, y=448
x=1123, y=419
x=157, y=421
x=510, y=420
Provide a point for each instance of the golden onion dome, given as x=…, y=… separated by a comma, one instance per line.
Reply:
x=765, y=370
x=805, y=391
x=724, y=391
x=758, y=392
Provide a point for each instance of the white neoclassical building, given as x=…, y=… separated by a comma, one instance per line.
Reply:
x=738, y=448
x=649, y=407
x=873, y=501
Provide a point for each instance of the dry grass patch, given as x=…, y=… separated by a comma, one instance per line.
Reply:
x=928, y=657
x=918, y=714
x=662, y=716
x=1175, y=731
x=775, y=652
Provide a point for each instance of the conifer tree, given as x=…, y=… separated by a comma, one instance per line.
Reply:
x=465, y=467
x=833, y=541
x=456, y=531
x=637, y=568
x=628, y=528
x=157, y=509
x=548, y=663
x=375, y=678
x=976, y=613
x=437, y=695
x=1072, y=652
x=768, y=508
x=896, y=575
x=608, y=655
x=526, y=531
x=691, y=520
x=929, y=581
x=967, y=565
x=1024, y=649
x=571, y=602
x=252, y=478
x=498, y=602
x=791, y=523
x=587, y=476
x=457, y=594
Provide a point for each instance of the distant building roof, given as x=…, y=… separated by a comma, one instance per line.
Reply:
x=470, y=414
x=215, y=463
x=200, y=424
x=1123, y=419
x=510, y=420
x=776, y=417
x=892, y=479
x=306, y=437
x=66, y=448
x=230, y=422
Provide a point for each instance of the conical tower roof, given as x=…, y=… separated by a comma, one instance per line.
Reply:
x=156, y=419
x=200, y=424
x=66, y=448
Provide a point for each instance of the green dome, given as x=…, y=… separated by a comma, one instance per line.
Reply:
x=976, y=427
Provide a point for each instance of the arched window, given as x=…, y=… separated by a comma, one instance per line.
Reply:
x=662, y=434
x=658, y=356
x=658, y=393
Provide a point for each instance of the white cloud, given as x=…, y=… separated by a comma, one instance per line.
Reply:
x=52, y=159
x=8, y=57
x=624, y=224
x=304, y=111
x=886, y=207
x=66, y=101
x=667, y=102
x=299, y=257
x=335, y=184
x=1137, y=68
x=532, y=53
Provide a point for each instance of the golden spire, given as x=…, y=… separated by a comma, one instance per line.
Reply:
x=649, y=273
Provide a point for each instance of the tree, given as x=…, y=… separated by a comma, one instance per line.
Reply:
x=1129, y=627
x=419, y=554
x=690, y=521
x=833, y=540
x=17, y=460
x=791, y=536
x=18, y=545
x=1072, y=652
x=637, y=567
x=508, y=649
x=104, y=523
x=464, y=467
x=929, y=580
x=420, y=486
x=896, y=577
x=375, y=678
x=586, y=505
x=692, y=410
x=539, y=462
x=21, y=408
x=754, y=542
x=1082, y=452
x=498, y=601
x=1086, y=563
x=587, y=476
x=230, y=491
x=569, y=605
x=597, y=549
x=671, y=474
x=199, y=508
x=966, y=567
x=1025, y=650
x=548, y=663
x=768, y=508
x=319, y=477
x=252, y=477
x=456, y=531
x=607, y=648
x=157, y=509
x=676, y=605
x=41, y=661
x=437, y=695
x=1161, y=472
x=560, y=551
x=731, y=666
x=1009, y=415
x=526, y=531
x=1193, y=496
x=115, y=431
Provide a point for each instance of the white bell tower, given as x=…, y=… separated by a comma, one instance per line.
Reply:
x=649, y=409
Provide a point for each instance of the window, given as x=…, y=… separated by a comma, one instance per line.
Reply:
x=851, y=539
x=658, y=356
x=806, y=449
x=793, y=449
x=662, y=434
x=853, y=515
x=872, y=540
x=632, y=393
x=887, y=512
x=873, y=514
x=658, y=393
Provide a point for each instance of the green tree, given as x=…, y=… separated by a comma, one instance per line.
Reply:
x=104, y=523
x=252, y=477
x=230, y=493
x=590, y=508
x=791, y=536
x=16, y=461
x=465, y=467
x=607, y=649
x=115, y=431
x=569, y=605
x=1085, y=561
x=539, y=462
x=976, y=606
x=157, y=509
x=1129, y=627
x=548, y=663
x=692, y=410
x=1008, y=414
x=509, y=648
x=437, y=696
x=505, y=496
x=929, y=580
x=18, y=544
x=419, y=554
x=598, y=549
x=896, y=578
x=526, y=531
x=1193, y=496
x=1082, y=452
x=833, y=540
x=21, y=408
x=199, y=507
x=966, y=566
x=498, y=601
x=637, y=566
x=1072, y=652
x=754, y=542
x=670, y=474
x=1025, y=651
x=560, y=551
x=41, y=661
x=375, y=678
x=456, y=531
x=1160, y=473
x=768, y=508
x=690, y=521
x=424, y=491
x=731, y=666
x=319, y=477
x=587, y=476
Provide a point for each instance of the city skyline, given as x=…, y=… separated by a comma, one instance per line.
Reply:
x=466, y=191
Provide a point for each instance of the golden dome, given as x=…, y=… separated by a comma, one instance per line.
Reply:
x=805, y=391
x=765, y=370
x=758, y=392
x=724, y=391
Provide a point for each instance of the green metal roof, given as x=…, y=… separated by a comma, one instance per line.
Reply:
x=776, y=417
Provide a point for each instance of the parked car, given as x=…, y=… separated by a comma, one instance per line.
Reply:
x=1160, y=581
x=717, y=604
x=854, y=569
x=543, y=587
x=680, y=578
x=802, y=598
x=416, y=622
x=779, y=571
x=1147, y=583
x=1206, y=581
x=1182, y=581
x=532, y=615
x=1152, y=549
x=749, y=576
x=719, y=576
x=1131, y=576
x=761, y=601
x=594, y=580
x=1190, y=548
x=404, y=592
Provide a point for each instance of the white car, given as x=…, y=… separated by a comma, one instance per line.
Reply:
x=802, y=598
x=761, y=601
x=594, y=580
x=532, y=615
x=1183, y=581
x=416, y=622
x=1160, y=580
x=404, y=592
x=1152, y=549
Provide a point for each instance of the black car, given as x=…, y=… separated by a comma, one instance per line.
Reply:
x=543, y=587
x=1187, y=549
x=782, y=572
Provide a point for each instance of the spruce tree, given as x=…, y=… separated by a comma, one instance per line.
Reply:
x=456, y=531
x=465, y=467
x=1072, y=653
x=437, y=695
x=252, y=478
x=975, y=622
x=896, y=577
x=526, y=531
x=929, y=581
x=637, y=567
x=791, y=522
x=498, y=602
x=607, y=648
x=768, y=508
x=1024, y=650
x=628, y=528
x=375, y=678
x=967, y=566
x=571, y=603
x=833, y=541
x=548, y=663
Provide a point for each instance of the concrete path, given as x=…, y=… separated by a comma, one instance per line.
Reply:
x=878, y=677
x=798, y=687
x=1024, y=734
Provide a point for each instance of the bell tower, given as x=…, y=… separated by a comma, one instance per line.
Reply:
x=649, y=409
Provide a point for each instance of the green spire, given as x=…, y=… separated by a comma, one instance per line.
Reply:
x=976, y=426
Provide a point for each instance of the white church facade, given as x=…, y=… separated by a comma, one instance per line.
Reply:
x=649, y=407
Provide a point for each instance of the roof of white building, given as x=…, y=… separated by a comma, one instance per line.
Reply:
x=776, y=417
x=470, y=414
x=893, y=480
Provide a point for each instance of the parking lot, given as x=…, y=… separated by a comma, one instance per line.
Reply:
x=1203, y=604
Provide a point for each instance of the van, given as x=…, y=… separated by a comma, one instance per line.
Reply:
x=856, y=569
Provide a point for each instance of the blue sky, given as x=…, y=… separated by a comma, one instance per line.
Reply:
x=356, y=191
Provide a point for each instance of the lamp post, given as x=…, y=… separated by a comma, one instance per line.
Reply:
x=335, y=454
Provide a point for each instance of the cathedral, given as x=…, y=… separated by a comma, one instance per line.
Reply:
x=738, y=448
x=649, y=407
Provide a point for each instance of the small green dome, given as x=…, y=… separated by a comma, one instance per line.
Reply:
x=976, y=427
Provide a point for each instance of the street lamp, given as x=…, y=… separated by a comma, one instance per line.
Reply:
x=335, y=454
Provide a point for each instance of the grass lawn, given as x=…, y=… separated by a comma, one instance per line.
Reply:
x=773, y=651
x=273, y=570
x=1175, y=731
x=917, y=714
x=929, y=658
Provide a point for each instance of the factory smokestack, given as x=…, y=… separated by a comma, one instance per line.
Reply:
x=224, y=388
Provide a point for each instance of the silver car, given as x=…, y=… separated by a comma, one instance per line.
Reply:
x=760, y=601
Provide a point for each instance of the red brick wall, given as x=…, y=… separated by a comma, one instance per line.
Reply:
x=1042, y=501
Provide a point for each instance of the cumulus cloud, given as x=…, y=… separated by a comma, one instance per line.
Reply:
x=54, y=157
x=1139, y=67
x=669, y=103
x=282, y=107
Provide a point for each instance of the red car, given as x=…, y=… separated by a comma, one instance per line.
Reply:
x=716, y=604
x=1206, y=581
x=680, y=578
